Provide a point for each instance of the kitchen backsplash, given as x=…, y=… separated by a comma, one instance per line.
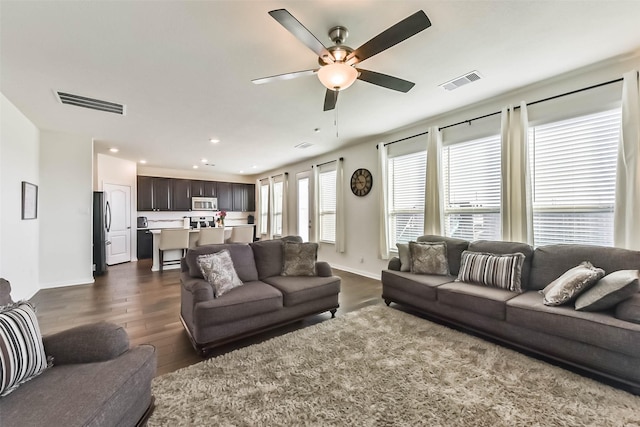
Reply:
x=175, y=219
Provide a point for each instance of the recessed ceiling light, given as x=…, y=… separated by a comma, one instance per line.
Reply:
x=214, y=140
x=143, y=161
x=195, y=166
x=241, y=171
x=254, y=167
x=203, y=160
x=113, y=150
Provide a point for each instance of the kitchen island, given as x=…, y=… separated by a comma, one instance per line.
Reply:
x=173, y=255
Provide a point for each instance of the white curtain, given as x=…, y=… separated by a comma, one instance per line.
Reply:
x=434, y=200
x=271, y=206
x=383, y=200
x=314, y=234
x=517, y=211
x=259, y=210
x=340, y=218
x=626, y=223
x=285, y=204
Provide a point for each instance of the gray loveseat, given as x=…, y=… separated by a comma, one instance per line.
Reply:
x=598, y=343
x=265, y=300
x=96, y=380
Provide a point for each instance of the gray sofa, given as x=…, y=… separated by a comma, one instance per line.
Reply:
x=265, y=300
x=96, y=380
x=597, y=343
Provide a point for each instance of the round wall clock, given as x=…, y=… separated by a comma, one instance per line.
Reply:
x=361, y=182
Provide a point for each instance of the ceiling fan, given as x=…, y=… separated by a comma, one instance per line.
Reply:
x=337, y=63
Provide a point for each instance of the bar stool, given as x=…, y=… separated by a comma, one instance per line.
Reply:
x=241, y=234
x=172, y=239
x=211, y=236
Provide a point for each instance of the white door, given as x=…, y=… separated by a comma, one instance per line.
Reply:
x=118, y=223
x=303, y=180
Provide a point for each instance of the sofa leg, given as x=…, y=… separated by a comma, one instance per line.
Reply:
x=388, y=302
x=333, y=313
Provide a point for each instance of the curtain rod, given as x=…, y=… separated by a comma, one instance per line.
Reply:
x=468, y=121
x=283, y=173
x=326, y=163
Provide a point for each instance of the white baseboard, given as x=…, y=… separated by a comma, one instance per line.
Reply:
x=358, y=272
x=74, y=282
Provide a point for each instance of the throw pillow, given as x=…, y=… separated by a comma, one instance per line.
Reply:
x=629, y=310
x=574, y=281
x=609, y=291
x=428, y=258
x=299, y=259
x=498, y=271
x=218, y=270
x=22, y=354
x=403, y=254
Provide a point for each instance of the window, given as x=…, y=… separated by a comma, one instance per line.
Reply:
x=327, y=205
x=573, y=175
x=277, y=208
x=471, y=182
x=264, y=207
x=406, y=193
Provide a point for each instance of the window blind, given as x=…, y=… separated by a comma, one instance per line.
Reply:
x=327, y=205
x=573, y=174
x=406, y=192
x=471, y=182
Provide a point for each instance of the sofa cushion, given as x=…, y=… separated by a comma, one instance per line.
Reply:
x=241, y=254
x=298, y=290
x=268, y=257
x=550, y=262
x=500, y=248
x=455, y=247
x=629, y=310
x=299, y=259
x=22, y=354
x=429, y=258
x=498, y=271
x=609, y=291
x=421, y=285
x=218, y=270
x=403, y=255
x=574, y=281
x=5, y=292
x=600, y=329
x=476, y=298
x=251, y=299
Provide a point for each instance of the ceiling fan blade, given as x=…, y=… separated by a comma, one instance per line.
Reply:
x=294, y=26
x=286, y=76
x=385, y=80
x=401, y=31
x=330, y=99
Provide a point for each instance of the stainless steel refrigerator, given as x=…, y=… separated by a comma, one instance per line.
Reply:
x=101, y=220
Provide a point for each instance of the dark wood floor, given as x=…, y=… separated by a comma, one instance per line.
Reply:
x=147, y=305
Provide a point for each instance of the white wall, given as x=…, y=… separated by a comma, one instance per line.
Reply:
x=361, y=216
x=201, y=174
x=112, y=170
x=66, y=197
x=19, y=145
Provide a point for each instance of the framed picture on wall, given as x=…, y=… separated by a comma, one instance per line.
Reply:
x=29, y=200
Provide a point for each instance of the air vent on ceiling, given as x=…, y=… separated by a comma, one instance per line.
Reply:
x=94, y=104
x=303, y=145
x=461, y=81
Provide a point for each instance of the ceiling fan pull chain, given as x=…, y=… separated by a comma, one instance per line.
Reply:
x=335, y=120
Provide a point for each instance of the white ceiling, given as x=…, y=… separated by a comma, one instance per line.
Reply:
x=184, y=69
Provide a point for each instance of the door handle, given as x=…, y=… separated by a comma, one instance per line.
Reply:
x=107, y=214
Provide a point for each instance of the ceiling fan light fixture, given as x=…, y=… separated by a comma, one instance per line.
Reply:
x=337, y=76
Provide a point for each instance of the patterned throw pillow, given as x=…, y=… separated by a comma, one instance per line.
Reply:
x=218, y=270
x=497, y=271
x=22, y=354
x=609, y=291
x=429, y=258
x=299, y=259
x=574, y=281
x=403, y=254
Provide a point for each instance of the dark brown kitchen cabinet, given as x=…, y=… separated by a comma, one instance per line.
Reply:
x=203, y=189
x=181, y=195
x=243, y=197
x=154, y=193
x=225, y=196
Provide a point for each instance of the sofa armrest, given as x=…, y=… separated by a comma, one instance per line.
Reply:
x=95, y=342
x=200, y=289
x=323, y=269
x=394, y=264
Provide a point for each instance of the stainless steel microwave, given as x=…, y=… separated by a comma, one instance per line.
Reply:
x=204, y=203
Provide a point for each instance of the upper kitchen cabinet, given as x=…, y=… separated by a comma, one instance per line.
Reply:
x=181, y=194
x=154, y=194
x=145, y=193
x=204, y=189
x=225, y=196
x=243, y=197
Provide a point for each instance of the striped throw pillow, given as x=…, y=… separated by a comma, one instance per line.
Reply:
x=22, y=354
x=498, y=271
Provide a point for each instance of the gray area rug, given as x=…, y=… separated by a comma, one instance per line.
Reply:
x=382, y=367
